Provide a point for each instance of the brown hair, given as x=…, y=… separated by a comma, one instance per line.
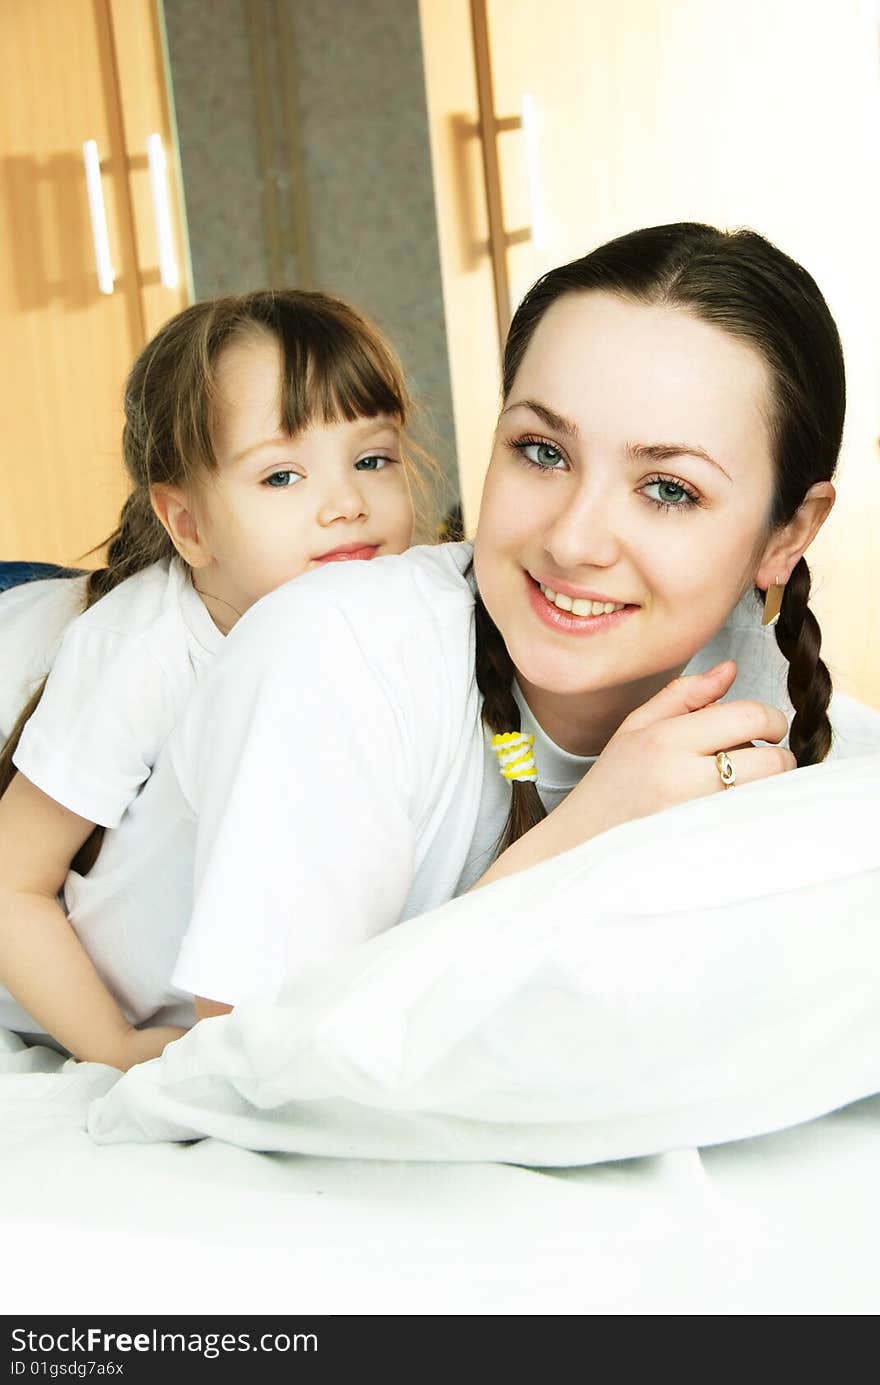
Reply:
x=741, y=283
x=336, y=366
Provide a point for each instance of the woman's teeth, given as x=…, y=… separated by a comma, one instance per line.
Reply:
x=579, y=607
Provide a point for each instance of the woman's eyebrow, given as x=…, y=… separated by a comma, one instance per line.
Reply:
x=636, y=452
x=663, y=451
x=549, y=416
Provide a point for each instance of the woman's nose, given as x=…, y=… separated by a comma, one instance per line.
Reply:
x=585, y=532
x=343, y=499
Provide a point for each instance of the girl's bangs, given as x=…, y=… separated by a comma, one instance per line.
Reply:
x=332, y=374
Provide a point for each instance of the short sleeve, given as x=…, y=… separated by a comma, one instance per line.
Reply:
x=294, y=758
x=105, y=713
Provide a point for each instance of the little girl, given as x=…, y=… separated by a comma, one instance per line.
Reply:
x=264, y=438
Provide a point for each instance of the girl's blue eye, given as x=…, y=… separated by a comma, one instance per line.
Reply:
x=372, y=463
x=542, y=454
x=280, y=480
x=670, y=494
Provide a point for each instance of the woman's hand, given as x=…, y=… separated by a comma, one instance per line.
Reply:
x=663, y=754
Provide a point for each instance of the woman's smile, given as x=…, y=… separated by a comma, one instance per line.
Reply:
x=580, y=615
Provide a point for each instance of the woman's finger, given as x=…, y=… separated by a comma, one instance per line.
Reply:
x=760, y=762
x=686, y=694
x=725, y=724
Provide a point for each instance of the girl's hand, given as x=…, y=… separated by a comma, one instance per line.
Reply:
x=42, y=962
x=664, y=753
x=140, y=1045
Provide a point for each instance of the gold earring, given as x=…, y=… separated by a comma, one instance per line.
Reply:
x=773, y=602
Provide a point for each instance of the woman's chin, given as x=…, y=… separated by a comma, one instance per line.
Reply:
x=567, y=677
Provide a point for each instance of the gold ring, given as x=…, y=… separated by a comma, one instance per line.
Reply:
x=725, y=768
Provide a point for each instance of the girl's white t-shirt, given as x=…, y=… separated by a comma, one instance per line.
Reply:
x=118, y=684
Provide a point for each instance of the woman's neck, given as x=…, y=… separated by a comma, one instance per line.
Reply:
x=583, y=723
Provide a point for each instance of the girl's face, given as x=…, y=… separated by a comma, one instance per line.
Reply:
x=631, y=474
x=278, y=505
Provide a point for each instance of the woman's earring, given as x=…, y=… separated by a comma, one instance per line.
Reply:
x=773, y=603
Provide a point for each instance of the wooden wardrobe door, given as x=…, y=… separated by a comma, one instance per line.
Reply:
x=66, y=345
x=158, y=216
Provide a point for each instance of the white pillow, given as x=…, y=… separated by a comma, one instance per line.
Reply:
x=700, y=976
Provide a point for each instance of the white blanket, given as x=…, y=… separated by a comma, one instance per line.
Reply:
x=665, y=985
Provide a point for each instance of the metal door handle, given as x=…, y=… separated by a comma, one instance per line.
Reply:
x=98, y=216
x=533, y=172
x=168, y=270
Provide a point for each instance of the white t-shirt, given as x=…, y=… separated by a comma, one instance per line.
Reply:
x=119, y=682
x=389, y=646
x=319, y=841
x=33, y=619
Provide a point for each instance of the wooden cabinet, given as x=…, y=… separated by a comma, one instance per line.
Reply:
x=75, y=71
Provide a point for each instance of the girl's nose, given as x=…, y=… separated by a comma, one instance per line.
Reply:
x=343, y=499
x=585, y=531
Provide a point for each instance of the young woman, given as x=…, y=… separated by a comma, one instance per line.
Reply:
x=672, y=412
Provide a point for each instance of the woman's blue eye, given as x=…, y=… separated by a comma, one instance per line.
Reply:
x=280, y=480
x=670, y=494
x=372, y=463
x=542, y=454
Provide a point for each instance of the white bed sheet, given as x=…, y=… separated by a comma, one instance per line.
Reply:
x=782, y=1224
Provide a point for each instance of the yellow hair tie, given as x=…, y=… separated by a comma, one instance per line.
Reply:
x=516, y=758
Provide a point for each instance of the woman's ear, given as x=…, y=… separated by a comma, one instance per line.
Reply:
x=174, y=510
x=787, y=545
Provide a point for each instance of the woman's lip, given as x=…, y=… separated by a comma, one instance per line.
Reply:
x=349, y=552
x=567, y=623
x=576, y=593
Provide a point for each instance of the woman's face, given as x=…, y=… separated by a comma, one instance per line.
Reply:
x=631, y=471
